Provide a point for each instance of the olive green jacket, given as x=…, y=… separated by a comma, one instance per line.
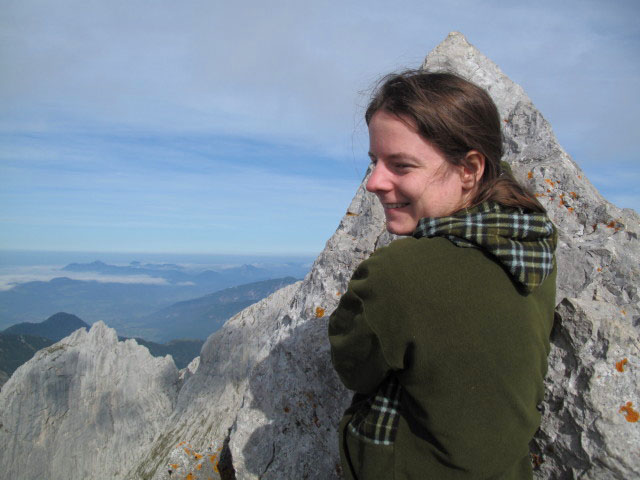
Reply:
x=447, y=355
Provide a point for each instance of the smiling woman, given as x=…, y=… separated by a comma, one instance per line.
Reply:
x=444, y=335
x=412, y=178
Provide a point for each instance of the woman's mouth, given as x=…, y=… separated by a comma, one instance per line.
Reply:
x=389, y=206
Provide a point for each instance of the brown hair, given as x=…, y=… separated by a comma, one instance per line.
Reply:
x=456, y=116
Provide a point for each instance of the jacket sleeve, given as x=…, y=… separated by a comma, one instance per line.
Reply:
x=357, y=350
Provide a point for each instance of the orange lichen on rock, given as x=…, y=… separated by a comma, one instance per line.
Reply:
x=530, y=175
x=175, y=466
x=630, y=414
x=199, y=466
x=536, y=460
x=538, y=195
x=573, y=194
x=212, y=458
x=319, y=312
x=187, y=451
x=620, y=365
x=599, y=269
x=623, y=312
x=550, y=182
x=351, y=214
x=570, y=209
x=197, y=455
x=181, y=443
x=191, y=476
x=611, y=224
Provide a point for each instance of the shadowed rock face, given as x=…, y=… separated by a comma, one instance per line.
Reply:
x=265, y=402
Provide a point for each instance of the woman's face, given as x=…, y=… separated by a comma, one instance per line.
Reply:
x=410, y=177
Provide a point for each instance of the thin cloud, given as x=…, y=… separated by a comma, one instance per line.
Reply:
x=9, y=278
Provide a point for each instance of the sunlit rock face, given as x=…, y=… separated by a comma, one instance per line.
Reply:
x=265, y=401
x=85, y=407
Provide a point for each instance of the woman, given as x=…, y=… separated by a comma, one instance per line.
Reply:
x=444, y=335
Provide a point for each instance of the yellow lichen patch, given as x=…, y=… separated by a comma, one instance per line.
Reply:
x=630, y=414
x=530, y=175
x=623, y=312
x=174, y=466
x=215, y=468
x=319, y=312
x=620, y=365
x=199, y=466
x=550, y=182
x=212, y=458
x=351, y=214
x=599, y=269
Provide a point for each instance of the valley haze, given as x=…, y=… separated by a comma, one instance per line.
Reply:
x=119, y=288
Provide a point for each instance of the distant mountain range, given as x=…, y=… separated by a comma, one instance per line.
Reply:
x=55, y=328
x=183, y=326
x=123, y=300
x=200, y=317
x=20, y=342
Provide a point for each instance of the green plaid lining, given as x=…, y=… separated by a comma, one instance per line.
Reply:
x=523, y=242
x=377, y=420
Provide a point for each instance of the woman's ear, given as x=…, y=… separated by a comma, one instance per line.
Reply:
x=472, y=169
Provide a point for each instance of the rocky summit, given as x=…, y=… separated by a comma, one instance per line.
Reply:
x=265, y=401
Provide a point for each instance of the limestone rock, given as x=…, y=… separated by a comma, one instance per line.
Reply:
x=187, y=372
x=85, y=407
x=588, y=426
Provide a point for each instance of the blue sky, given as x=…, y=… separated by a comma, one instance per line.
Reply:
x=212, y=127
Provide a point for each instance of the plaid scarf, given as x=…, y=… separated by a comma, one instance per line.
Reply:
x=522, y=242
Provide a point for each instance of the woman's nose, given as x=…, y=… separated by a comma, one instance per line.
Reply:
x=378, y=180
